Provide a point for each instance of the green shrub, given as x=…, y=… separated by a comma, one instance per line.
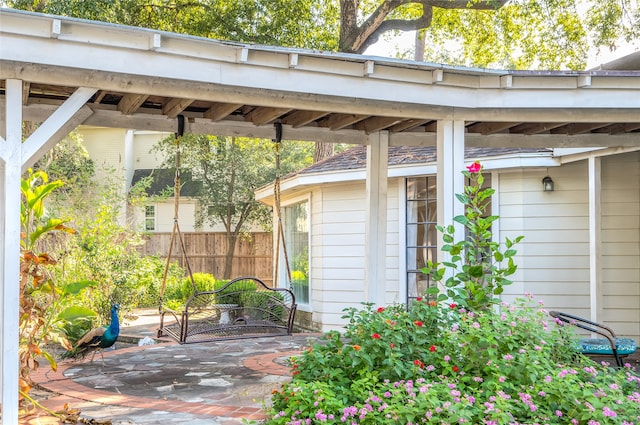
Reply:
x=450, y=365
x=234, y=293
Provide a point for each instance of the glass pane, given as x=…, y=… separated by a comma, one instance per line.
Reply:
x=417, y=188
x=296, y=230
x=416, y=212
x=417, y=258
x=417, y=235
x=418, y=283
x=431, y=184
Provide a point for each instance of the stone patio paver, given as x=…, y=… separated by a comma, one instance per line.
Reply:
x=217, y=383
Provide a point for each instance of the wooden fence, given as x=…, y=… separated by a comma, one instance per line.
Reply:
x=206, y=253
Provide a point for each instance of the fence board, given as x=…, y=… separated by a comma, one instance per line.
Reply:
x=206, y=252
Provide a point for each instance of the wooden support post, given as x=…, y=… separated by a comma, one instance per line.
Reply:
x=376, y=222
x=450, y=157
x=10, y=164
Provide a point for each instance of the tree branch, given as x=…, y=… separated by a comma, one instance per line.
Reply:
x=356, y=39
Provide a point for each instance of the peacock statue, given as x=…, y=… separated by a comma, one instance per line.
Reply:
x=97, y=339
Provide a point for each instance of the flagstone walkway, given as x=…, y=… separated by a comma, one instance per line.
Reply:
x=214, y=383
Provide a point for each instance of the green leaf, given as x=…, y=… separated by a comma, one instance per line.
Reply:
x=475, y=271
x=76, y=312
x=53, y=224
x=50, y=359
x=75, y=287
x=510, y=253
x=462, y=198
x=461, y=219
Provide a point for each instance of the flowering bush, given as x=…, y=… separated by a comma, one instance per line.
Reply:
x=438, y=363
x=456, y=360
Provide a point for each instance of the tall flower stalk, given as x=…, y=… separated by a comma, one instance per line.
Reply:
x=477, y=270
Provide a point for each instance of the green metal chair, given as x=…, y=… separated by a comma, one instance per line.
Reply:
x=609, y=345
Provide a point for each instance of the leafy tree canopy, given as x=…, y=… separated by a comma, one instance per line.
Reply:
x=230, y=170
x=292, y=23
x=512, y=34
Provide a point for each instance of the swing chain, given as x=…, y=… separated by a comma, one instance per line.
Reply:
x=276, y=193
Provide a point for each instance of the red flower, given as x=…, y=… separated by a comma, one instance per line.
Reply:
x=419, y=299
x=375, y=336
x=418, y=323
x=455, y=369
x=452, y=305
x=392, y=345
x=474, y=168
x=432, y=348
x=418, y=363
x=380, y=309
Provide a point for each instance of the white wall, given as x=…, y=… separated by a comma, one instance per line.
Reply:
x=337, y=250
x=143, y=142
x=621, y=243
x=553, y=258
x=106, y=148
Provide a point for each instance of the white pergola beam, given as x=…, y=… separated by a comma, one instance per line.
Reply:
x=65, y=118
x=10, y=165
x=376, y=217
x=152, y=120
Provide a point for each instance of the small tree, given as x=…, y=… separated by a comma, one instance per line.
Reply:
x=230, y=169
x=475, y=274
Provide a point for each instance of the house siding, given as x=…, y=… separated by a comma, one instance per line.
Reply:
x=143, y=154
x=106, y=147
x=553, y=257
x=338, y=250
x=337, y=256
x=621, y=243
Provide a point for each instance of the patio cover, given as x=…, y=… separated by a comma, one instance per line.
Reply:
x=63, y=72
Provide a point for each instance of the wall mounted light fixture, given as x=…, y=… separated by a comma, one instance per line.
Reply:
x=547, y=184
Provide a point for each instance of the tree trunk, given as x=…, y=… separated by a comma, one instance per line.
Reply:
x=355, y=37
x=28, y=128
x=228, y=259
x=323, y=150
x=419, y=47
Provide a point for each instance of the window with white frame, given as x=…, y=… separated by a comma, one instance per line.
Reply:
x=296, y=232
x=421, y=233
x=150, y=217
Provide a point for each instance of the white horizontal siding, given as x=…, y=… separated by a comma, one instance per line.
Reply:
x=553, y=258
x=621, y=243
x=143, y=155
x=338, y=250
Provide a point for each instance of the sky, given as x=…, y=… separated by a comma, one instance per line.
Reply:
x=387, y=48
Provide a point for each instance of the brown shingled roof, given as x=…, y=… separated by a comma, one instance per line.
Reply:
x=356, y=157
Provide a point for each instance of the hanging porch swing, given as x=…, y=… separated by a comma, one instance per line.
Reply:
x=245, y=307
